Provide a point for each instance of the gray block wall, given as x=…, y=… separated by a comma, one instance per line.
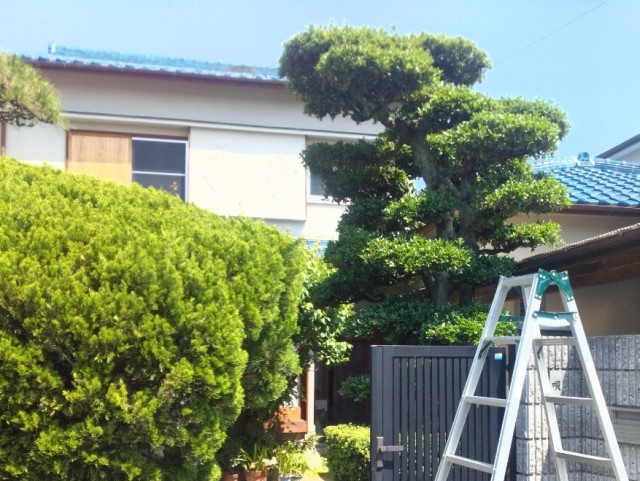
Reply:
x=617, y=360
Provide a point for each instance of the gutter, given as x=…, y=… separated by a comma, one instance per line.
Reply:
x=602, y=210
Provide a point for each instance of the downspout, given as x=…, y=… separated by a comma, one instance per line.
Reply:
x=3, y=139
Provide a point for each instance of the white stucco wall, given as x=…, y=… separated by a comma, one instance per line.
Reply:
x=248, y=174
x=319, y=217
x=175, y=99
x=39, y=144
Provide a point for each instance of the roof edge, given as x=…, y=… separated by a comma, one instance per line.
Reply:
x=581, y=248
x=48, y=65
x=620, y=147
x=105, y=60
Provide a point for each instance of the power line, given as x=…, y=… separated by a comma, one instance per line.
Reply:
x=544, y=37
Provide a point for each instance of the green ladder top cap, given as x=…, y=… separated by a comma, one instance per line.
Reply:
x=561, y=279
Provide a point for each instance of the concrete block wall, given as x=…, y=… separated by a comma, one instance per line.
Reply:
x=617, y=360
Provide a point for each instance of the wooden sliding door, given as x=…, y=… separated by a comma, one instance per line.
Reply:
x=104, y=155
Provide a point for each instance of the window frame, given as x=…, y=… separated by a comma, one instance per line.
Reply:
x=168, y=174
x=316, y=198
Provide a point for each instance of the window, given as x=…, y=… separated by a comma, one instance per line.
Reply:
x=161, y=164
x=315, y=190
x=151, y=162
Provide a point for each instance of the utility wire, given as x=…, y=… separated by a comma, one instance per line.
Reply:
x=544, y=37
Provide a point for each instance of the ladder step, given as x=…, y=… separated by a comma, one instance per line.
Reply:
x=502, y=340
x=580, y=401
x=584, y=458
x=557, y=341
x=487, y=401
x=567, y=316
x=470, y=463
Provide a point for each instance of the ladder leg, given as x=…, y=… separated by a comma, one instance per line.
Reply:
x=471, y=384
x=530, y=331
x=595, y=390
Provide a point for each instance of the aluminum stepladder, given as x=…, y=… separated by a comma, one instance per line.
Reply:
x=530, y=342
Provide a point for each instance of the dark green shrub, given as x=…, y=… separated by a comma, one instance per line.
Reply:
x=356, y=388
x=123, y=313
x=348, y=455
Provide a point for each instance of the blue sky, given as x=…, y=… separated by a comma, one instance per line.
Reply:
x=582, y=54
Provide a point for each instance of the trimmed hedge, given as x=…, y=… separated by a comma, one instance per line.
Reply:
x=348, y=455
x=123, y=316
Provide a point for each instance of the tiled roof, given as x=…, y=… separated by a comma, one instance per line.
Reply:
x=149, y=63
x=597, y=181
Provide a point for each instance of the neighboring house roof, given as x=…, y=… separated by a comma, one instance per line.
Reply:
x=64, y=57
x=596, y=182
x=609, y=257
x=621, y=147
x=600, y=243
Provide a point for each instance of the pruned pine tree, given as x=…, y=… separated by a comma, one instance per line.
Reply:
x=431, y=201
x=26, y=98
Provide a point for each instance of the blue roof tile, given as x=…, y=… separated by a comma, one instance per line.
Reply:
x=596, y=181
x=150, y=63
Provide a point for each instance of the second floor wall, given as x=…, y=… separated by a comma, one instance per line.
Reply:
x=243, y=143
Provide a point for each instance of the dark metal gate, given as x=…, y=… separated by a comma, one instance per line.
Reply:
x=415, y=395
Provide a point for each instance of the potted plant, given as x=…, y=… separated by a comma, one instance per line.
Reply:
x=290, y=461
x=255, y=463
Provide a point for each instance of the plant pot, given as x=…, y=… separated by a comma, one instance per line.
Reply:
x=230, y=477
x=290, y=478
x=255, y=475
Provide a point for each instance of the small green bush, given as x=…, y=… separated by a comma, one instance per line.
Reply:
x=348, y=455
x=357, y=388
x=131, y=328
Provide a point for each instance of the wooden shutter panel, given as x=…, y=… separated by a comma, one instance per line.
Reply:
x=107, y=156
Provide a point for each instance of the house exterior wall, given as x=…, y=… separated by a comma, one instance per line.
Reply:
x=605, y=309
x=39, y=144
x=241, y=105
x=244, y=140
x=631, y=156
x=247, y=174
x=617, y=360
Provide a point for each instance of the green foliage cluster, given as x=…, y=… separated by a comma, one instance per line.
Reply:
x=25, y=97
x=357, y=388
x=348, y=455
x=321, y=329
x=132, y=326
x=406, y=320
x=435, y=196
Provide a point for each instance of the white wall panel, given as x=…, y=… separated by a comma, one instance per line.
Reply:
x=248, y=174
x=42, y=143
